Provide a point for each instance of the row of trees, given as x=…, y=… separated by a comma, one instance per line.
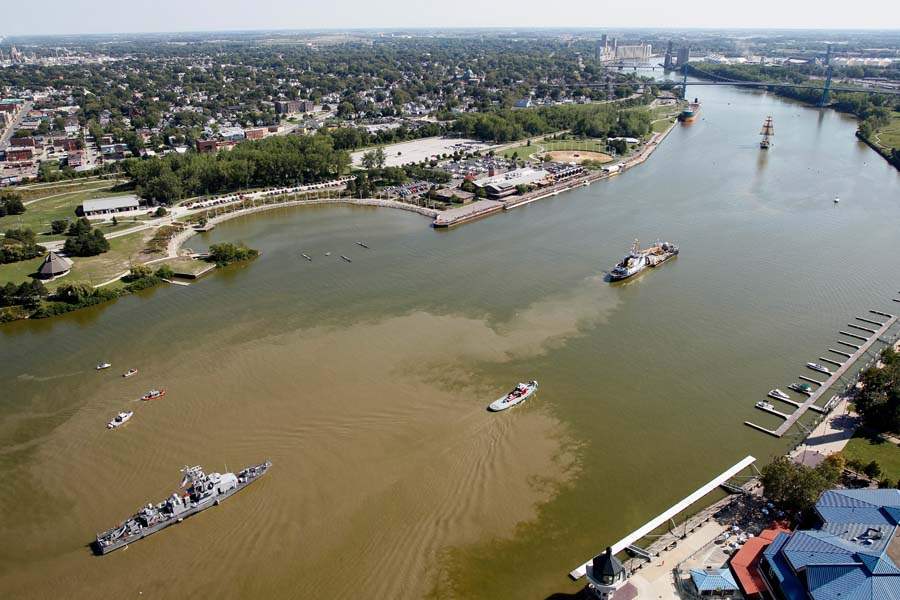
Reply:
x=589, y=120
x=83, y=239
x=275, y=161
x=27, y=293
x=227, y=253
x=10, y=203
x=18, y=245
x=795, y=487
x=878, y=402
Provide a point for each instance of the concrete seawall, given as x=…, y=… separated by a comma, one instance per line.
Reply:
x=178, y=239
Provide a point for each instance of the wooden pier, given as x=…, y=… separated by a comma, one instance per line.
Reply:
x=853, y=335
x=824, y=386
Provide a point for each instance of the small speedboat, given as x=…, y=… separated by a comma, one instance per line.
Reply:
x=129, y=373
x=307, y=257
x=363, y=244
x=103, y=365
x=837, y=200
x=328, y=254
x=778, y=394
x=120, y=419
x=153, y=395
x=764, y=405
x=519, y=394
x=819, y=368
x=347, y=258
x=803, y=388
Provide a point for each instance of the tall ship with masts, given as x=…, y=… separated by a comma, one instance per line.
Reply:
x=768, y=130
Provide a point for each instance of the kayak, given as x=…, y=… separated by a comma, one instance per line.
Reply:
x=519, y=394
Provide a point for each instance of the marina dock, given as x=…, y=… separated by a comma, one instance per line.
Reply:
x=632, y=538
x=824, y=386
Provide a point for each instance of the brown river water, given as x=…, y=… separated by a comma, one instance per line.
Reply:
x=366, y=383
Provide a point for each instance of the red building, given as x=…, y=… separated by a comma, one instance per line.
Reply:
x=255, y=134
x=22, y=142
x=745, y=562
x=18, y=154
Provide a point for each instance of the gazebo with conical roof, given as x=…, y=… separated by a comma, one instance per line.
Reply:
x=54, y=265
x=606, y=575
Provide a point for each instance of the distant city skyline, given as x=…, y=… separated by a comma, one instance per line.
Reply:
x=105, y=16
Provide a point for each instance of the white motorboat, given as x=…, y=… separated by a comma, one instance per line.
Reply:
x=819, y=368
x=803, y=388
x=764, y=405
x=121, y=419
x=519, y=394
x=103, y=365
x=778, y=394
x=129, y=373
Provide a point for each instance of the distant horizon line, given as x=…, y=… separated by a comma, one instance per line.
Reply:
x=393, y=29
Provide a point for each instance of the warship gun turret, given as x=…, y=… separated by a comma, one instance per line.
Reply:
x=201, y=490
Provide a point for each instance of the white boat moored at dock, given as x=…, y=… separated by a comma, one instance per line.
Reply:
x=778, y=394
x=819, y=368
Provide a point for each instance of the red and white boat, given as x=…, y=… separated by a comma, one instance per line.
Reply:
x=153, y=395
x=520, y=393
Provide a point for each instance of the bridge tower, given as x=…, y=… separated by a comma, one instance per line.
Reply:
x=826, y=93
x=684, y=82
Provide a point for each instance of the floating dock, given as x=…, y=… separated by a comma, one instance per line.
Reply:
x=652, y=524
x=824, y=386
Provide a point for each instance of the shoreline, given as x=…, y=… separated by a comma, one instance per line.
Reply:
x=175, y=243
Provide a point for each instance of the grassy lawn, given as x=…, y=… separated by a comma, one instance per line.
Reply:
x=889, y=137
x=660, y=126
x=38, y=216
x=522, y=152
x=590, y=145
x=886, y=454
x=123, y=251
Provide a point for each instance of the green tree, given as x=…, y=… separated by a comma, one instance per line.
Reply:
x=59, y=226
x=872, y=470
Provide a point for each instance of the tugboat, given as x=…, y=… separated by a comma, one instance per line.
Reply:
x=803, y=388
x=637, y=260
x=203, y=491
x=768, y=130
x=120, y=419
x=129, y=373
x=153, y=395
x=778, y=395
x=103, y=365
x=819, y=368
x=519, y=394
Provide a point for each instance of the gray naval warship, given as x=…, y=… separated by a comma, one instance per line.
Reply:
x=202, y=491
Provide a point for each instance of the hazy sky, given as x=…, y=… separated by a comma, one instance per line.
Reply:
x=108, y=16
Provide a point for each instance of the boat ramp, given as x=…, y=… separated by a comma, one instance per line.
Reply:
x=842, y=368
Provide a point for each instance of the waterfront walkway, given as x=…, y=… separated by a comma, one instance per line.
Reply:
x=824, y=386
x=669, y=514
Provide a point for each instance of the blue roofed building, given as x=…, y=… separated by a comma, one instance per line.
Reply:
x=853, y=555
x=714, y=582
